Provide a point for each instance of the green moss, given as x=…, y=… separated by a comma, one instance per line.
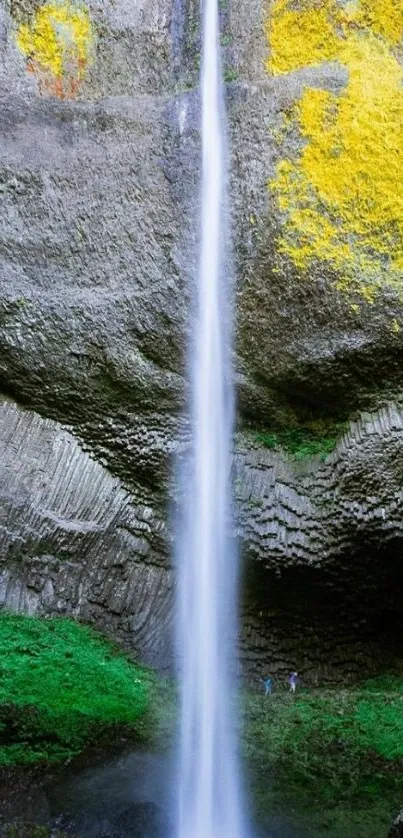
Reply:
x=330, y=749
x=318, y=438
x=230, y=74
x=60, y=685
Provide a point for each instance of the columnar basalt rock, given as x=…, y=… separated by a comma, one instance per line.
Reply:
x=322, y=543
x=73, y=541
x=320, y=540
x=99, y=182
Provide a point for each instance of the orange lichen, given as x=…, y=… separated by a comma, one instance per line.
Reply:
x=58, y=46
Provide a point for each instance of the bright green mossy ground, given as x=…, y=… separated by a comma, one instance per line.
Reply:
x=61, y=684
x=333, y=759
x=330, y=759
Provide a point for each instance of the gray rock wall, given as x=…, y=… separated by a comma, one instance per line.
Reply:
x=322, y=544
x=74, y=542
x=99, y=185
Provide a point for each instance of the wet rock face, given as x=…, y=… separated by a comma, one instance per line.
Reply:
x=138, y=820
x=396, y=830
x=91, y=310
x=99, y=184
x=322, y=546
x=73, y=541
x=123, y=797
x=321, y=543
x=99, y=151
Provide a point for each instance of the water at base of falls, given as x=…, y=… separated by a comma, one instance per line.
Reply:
x=209, y=790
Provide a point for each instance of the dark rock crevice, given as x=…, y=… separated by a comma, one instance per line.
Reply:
x=336, y=626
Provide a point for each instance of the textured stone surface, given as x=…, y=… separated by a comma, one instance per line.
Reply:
x=322, y=544
x=396, y=830
x=73, y=541
x=89, y=332
x=304, y=349
x=98, y=235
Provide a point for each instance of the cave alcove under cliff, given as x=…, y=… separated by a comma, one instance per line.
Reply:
x=334, y=623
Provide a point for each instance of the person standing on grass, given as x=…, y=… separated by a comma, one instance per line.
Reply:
x=268, y=685
x=293, y=681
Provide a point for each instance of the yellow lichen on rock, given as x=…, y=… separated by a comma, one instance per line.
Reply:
x=384, y=17
x=58, y=45
x=341, y=197
x=290, y=51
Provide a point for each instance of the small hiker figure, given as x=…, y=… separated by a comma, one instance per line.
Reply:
x=268, y=685
x=293, y=681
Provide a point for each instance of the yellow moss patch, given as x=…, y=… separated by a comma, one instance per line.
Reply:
x=342, y=197
x=58, y=45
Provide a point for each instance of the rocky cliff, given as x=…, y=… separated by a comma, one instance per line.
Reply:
x=99, y=189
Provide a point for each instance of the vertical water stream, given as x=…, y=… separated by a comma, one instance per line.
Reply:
x=209, y=804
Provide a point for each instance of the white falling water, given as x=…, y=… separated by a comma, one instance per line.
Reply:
x=209, y=804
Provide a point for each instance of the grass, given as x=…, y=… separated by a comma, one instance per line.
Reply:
x=331, y=758
x=317, y=439
x=60, y=685
x=338, y=751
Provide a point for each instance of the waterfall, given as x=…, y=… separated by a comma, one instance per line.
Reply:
x=209, y=804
